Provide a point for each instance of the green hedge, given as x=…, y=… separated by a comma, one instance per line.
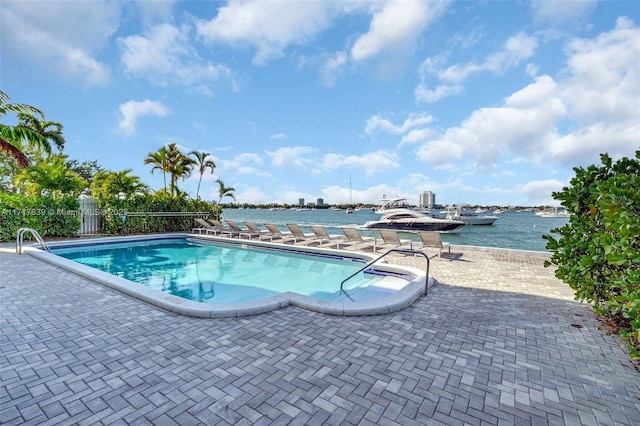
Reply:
x=51, y=217
x=598, y=252
x=114, y=211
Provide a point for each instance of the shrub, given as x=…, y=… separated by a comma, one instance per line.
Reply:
x=598, y=252
x=50, y=217
x=115, y=210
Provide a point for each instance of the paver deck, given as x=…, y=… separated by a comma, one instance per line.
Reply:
x=498, y=341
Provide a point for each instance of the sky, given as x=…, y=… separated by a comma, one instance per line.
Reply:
x=485, y=103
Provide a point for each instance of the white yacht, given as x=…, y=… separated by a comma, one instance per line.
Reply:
x=555, y=212
x=457, y=213
x=397, y=215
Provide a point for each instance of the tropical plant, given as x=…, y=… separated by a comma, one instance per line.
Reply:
x=50, y=176
x=50, y=131
x=202, y=163
x=169, y=159
x=117, y=185
x=598, y=252
x=160, y=162
x=180, y=166
x=225, y=191
x=14, y=139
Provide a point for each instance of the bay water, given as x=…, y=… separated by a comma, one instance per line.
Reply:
x=520, y=230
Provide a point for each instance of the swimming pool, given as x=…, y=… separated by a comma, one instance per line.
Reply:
x=215, y=276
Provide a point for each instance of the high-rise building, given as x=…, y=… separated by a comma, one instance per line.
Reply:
x=301, y=202
x=427, y=199
x=320, y=202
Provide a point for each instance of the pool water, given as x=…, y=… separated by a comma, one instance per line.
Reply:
x=219, y=273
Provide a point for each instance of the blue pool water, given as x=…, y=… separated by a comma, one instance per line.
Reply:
x=220, y=273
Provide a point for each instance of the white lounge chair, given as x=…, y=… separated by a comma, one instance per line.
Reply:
x=353, y=236
x=432, y=239
x=240, y=232
x=277, y=233
x=322, y=234
x=299, y=234
x=260, y=233
x=390, y=238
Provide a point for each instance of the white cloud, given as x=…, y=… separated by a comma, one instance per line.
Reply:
x=592, y=109
x=371, y=163
x=539, y=192
x=423, y=94
x=61, y=38
x=416, y=135
x=298, y=156
x=450, y=79
x=396, y=26
x=244, y=164
x=377, y=123
x=132, y=110
x=440, y=154
x=268, y=26
x=165, y=56
x=332, y=68
x=278, y=136
x=559, y=12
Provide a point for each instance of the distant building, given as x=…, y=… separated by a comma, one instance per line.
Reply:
x=320, y=202
x=301, y=202
x=427, y=200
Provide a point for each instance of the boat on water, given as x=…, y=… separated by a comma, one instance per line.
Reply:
x=457, y=213
x=555, y=212
x=397, y=215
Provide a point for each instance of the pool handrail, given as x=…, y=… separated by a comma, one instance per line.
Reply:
x=396, y=250
x=20, y=237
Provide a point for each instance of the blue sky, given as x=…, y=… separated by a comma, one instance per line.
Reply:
x=489, y=103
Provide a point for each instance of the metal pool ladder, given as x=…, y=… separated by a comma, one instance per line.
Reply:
x=405, y=251
x=20, y=237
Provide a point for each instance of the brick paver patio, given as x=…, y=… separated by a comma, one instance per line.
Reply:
x=498, y=341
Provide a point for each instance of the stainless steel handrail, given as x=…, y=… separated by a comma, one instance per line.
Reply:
x=20, y=237
x=405, y=251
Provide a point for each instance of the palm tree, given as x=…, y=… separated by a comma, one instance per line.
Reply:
x=160, y=161
x=202, y=163
x=179, y=166
x=112, y=184
x=14, y=138
x=49, y=130
x=225, y=191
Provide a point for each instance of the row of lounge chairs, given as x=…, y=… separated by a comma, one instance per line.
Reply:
x=351, y=238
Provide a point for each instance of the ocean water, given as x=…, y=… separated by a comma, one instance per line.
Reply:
x=514, y=230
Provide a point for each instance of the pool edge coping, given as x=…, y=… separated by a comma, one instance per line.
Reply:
x=399, y=300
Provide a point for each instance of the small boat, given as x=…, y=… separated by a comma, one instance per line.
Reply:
x=401, y=218
x=470, y=218
x=349, y=210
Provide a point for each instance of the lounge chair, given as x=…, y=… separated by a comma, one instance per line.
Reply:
x=322, y=234
x=261, y=234
x=353, y=236
x=432, y=239
x=390, y=238
x=277, y=233
x=221, y=229
x=204, y=226
x=241, y=232
x=298, y=233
